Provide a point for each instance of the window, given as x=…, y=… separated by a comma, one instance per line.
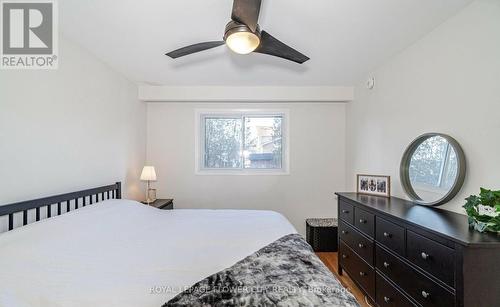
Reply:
x=241, y=142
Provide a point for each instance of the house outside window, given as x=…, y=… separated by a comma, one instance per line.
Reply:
x=242, y=142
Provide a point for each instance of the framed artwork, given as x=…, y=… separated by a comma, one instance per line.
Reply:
x=374, y=185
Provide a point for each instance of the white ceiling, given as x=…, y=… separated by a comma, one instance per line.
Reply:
x=345, y=39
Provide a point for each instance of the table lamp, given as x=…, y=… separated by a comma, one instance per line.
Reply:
x=148, y=174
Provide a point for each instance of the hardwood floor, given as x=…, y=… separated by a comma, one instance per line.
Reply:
x=330, y=260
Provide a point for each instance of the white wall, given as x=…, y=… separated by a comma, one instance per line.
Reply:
x=447, y=82
x=77, y=127
x=153, y=93
x=317, y=162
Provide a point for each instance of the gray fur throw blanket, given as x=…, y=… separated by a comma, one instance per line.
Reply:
x=284, y=273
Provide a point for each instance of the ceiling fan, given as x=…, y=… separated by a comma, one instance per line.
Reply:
x=243, y=35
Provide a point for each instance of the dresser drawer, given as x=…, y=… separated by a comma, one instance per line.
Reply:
x=419, y=287
x=346, y=212
x=355, y=240
x=387, y=295
x=357, y=269
x=364, y=221
x=431, y=256
x=390, y=235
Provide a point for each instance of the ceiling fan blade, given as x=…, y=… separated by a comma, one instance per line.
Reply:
x=194, y=48
x=246, y=12
x=271, y=46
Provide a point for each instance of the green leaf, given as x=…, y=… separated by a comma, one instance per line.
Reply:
x=484, y=218
x=472, y=201
x=497, y=198
x=493, y=225
x=487, y=197
x=495, y=220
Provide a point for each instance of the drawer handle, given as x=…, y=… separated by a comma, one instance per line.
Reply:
x=362, y=221
x=386, y=264
x=387, y=299
x=344, y=256
x=361, y=245
x=425, y=294
x=362, y=274
x=424, y=256
x=387, y=235
x=345, y=211
x=344, y=232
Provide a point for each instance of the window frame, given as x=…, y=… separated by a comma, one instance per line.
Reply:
x=201, y=114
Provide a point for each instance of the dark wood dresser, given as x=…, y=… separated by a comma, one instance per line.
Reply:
x=403, y=254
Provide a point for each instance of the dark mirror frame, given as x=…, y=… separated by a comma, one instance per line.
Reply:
x=404, y=170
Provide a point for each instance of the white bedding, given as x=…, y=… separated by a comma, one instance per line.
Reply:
x=122, y=253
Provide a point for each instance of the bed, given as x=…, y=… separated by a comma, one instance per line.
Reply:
x=115, y=252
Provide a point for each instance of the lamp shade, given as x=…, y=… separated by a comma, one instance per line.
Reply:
x=148, y=173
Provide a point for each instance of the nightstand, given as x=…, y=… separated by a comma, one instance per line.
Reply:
x=164, y=204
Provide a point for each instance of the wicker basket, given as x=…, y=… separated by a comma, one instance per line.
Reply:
x=321, y=234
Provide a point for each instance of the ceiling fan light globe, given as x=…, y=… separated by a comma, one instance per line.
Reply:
x=243, y=42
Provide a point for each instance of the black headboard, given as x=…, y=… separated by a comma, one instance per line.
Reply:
x=87, y=197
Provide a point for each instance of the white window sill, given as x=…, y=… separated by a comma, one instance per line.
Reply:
x=242, y=173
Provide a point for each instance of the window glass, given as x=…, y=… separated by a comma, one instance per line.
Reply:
x=223, y=137
x=263, y=142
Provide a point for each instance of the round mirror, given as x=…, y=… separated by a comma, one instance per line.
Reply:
x=433, y=169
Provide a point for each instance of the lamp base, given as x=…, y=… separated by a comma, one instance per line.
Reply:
x=151, y=196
